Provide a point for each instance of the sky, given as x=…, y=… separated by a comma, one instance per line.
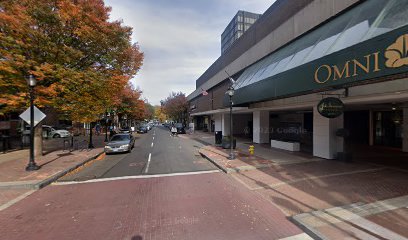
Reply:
x=180, y=39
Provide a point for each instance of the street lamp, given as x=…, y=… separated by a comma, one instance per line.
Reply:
x=230, y=93
x=32, y=166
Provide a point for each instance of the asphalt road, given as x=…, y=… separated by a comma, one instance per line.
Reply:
x=155, y=152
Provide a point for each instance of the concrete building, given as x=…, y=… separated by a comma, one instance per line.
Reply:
x=300, y=52
x=241, y=22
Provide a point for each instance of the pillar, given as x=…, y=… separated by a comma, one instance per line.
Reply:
x=325, y=142
x=260, y=127
x=225, y=124
x=218, y=122
x=405, y=128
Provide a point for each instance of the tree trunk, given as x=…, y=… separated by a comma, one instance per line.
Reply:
x=38, y=141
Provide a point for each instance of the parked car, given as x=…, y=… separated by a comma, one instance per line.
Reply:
x=180, y=128
x=142, y=129
x=122, y=142
x=125, y=130
x=49, y=132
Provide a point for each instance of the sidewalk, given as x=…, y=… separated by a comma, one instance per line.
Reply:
x=16, y=183
x=327, y=199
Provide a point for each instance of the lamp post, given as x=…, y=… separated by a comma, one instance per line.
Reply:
x=32, y=166
x=230, y=93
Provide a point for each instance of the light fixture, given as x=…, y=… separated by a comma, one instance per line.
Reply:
x=31, y=81
x=230, y=91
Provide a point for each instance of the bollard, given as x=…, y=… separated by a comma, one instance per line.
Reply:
x=251, y=149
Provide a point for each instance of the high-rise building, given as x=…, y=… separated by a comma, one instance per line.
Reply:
x=238, y=25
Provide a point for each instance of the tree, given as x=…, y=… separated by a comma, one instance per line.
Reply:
x=175, y=106
x=128, y=103
x=159, y=114
x=149, y=111
x=80, y=59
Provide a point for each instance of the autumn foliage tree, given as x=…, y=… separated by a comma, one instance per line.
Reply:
x=80, y=58
x=175, y=106
x=129, y=103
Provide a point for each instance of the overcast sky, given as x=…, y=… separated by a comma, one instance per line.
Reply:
x=180, y=38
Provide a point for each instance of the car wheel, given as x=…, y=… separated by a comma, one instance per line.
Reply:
x=56, y=136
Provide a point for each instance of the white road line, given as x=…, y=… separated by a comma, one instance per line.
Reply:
x=152, y=144
x=148, y=163
x=153, y=138
x=136, y=177
x=15, y=200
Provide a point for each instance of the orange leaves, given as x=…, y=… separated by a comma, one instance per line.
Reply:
x=82, y=61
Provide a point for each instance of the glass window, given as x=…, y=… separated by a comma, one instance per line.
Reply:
x=330, y=33
x=359, y=25
x=394, y=15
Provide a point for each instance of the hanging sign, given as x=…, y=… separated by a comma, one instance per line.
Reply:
x=330, y=107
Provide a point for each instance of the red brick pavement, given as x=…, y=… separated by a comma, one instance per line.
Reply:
x=318, y=185
x=51, y=164
x=205, y=206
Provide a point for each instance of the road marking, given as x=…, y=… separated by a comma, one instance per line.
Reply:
x=148, y=162
x=153, y=138
x=302, y=236
x=136, y=177
x=15, y=200
x=152, y=144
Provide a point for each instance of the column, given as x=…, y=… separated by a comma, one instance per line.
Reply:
x=260, y=127
x=405, y=128
x=218, y=122
x=225, y=124
x=325, y=142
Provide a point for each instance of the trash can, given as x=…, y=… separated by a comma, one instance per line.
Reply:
x=218, y=137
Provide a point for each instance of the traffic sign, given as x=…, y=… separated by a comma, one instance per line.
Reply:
x=38, y=116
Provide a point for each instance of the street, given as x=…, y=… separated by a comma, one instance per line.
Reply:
x=163, y=189
x=155, y=152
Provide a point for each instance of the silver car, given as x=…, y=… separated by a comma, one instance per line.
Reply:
x=120, y=143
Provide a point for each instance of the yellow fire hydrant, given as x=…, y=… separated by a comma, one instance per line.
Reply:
x=251, y=149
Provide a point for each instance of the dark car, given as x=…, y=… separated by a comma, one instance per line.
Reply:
x=180, y=128
x=125, y=130
x=142, y=129
x=121, y=142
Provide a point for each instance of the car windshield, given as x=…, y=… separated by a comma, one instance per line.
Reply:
x=120, y=138
x=179, y=125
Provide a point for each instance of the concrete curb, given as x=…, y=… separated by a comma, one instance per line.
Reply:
x=214, y=162
x=315, y=235
x=53, y=178
x=233, y=170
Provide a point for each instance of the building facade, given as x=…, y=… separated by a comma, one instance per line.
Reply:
x=241, y=22
x=300, y=52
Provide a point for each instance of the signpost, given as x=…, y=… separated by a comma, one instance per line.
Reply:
x=38, y=116
x=330, y=107
x=32, y=116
